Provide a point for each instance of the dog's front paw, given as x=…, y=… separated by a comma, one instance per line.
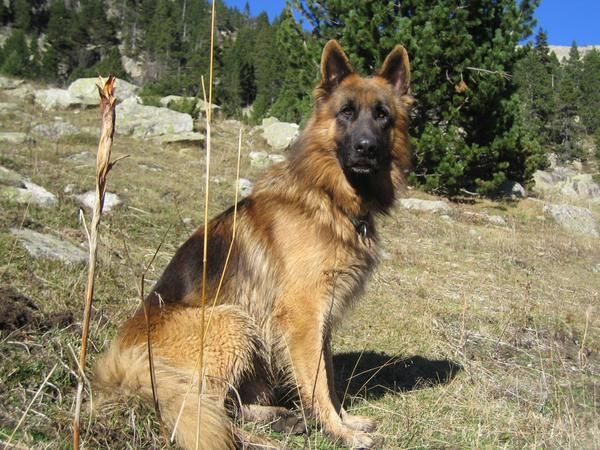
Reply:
x=359, y=423
x=358, y=440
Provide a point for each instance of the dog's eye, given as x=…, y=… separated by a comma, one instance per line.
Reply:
x=347, y=112
x=381, y=114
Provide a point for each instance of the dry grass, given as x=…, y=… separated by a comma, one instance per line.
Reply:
x=469, y=336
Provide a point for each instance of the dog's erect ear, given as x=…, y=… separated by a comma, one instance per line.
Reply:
x=396, y=70
x=334, y=66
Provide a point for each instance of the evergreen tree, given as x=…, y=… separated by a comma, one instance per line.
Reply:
x=466, y=119
x=567, y=126
x=299, y=72
x=15, y=55
x=589, y=109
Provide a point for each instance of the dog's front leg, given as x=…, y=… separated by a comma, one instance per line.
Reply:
x=306, y=345
x=360, y=423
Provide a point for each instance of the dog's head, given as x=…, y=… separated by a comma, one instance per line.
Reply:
x=368, y=113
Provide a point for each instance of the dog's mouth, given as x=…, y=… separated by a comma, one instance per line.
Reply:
x=363, y=166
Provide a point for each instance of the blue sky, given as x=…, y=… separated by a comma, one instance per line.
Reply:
x=563, y=20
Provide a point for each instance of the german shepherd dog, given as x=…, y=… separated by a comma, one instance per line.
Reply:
x=282, y=271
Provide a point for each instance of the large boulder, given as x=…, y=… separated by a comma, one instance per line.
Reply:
x=279, y=135
x=573, y=218
x=150, y=121
x=54, y=98
x=566, y=183
x=86, y=90
x=48, y=246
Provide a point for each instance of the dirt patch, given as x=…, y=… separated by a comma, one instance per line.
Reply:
x=16, y=310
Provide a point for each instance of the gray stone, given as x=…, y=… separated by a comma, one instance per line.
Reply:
x=86, y=90
x=29, y=193
x=279, y=135
x=54, y=130
x=83, y=157
x=22, y=93
x=10, y=178
x=245, y=187
x=12, y=137
x=54, y=98
x=433, y=206
x=150, y=121
x=564, y=182
x=262, y=160
x=88, y=200
x=187, y=137
x=491, y=219
x=9, y=83
x=573, y=218
x=7, y=107
x=513, y=189
x=48, y=246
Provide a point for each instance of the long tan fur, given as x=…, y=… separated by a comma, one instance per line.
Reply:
x=305, y=245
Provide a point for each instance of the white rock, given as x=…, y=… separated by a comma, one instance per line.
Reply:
x=88, y=200
x=86, y=90
x=245, y=187
x=573, y=218
x=279, y=135
x=150, y=121
x=48, y=246
x=433, y=206
x=29, y=193
x=54, y=98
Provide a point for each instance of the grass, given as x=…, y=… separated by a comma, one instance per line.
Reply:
x=469, y=335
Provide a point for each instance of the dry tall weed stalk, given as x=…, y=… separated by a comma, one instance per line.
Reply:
x=103, y=167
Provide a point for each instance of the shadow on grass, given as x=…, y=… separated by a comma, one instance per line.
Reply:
x=371, y=374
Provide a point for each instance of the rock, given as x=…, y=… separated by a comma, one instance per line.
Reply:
x=494, y=220
x=433, y=206
x=10, y=178
x=187, y=137
x=48, y=246
x=54, y=98
x=29, y=193
x=245, y=187
x=69, y=188
x=54, y=130
x=150, y=121
x=573, y=218
x=279, y=135
x=6, y=108
x=9, y=83
x=166, y=101
x=512, y=189
x=566, y=183
x=24, y=92
x=82, y=158
x=11, y=137
x=88, y=200
x=86, y=90
x=262, y=160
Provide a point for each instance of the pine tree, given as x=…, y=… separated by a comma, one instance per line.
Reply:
x=15, y=55
x=567, y=126
x=466, y=119
x=589, y=109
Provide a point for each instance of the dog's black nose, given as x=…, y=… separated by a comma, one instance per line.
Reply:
x=366, y=147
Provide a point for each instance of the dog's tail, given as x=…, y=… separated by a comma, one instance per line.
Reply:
x=199, y=420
